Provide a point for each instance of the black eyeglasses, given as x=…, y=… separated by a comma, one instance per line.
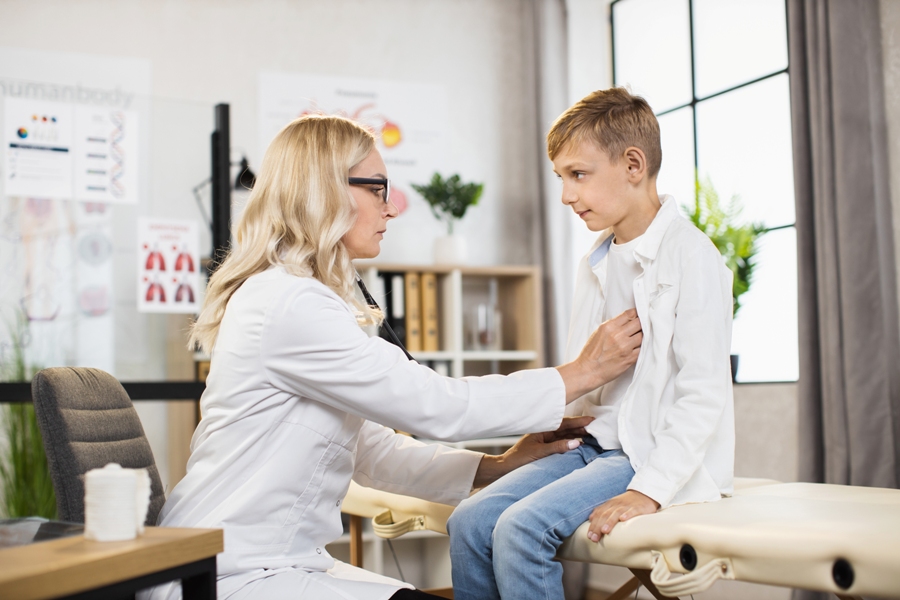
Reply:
x=384, y=183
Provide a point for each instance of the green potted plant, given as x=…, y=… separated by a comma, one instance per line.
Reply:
x=449, y=200
x=27, y=490
x=736, y=240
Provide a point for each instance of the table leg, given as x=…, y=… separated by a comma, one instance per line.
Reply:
x=201, y=585
x=356, y=541
x=625, y=591
x=643, y=576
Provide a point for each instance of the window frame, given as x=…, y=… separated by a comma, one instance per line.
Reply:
x=696, y=100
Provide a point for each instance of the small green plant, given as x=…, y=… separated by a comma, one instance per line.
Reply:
x=737, y=242
x=27, y=490
x=449, y=198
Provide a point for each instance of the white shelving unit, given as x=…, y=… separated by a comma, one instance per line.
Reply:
x=517, y=294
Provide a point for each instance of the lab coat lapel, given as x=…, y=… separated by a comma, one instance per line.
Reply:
x=645, y=254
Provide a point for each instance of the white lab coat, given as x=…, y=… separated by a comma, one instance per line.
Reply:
x=290, y=415
x=676, y=420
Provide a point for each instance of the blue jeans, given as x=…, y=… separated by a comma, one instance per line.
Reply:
x=503, y=540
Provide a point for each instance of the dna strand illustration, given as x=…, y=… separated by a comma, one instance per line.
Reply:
x=116, y=185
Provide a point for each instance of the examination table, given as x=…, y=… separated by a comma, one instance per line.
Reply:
x=831, y=538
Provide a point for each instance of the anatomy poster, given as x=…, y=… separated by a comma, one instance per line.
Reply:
x=66, y=151
x=168, y=266
x=38, y=138
x=409, y=121
x=106, y=149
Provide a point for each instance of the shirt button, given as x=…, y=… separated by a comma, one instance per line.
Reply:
x=318, y=551
x=338, y=503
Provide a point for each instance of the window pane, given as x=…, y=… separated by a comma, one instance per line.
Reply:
x=736, y=41
x=653, y=50
x=676, y=176
x=765, y=330
x=744, y=146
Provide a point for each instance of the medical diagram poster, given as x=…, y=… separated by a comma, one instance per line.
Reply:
x=168, y=266
x=38, y=139
x=409, y=121
x=65, y=151
x=106, y=149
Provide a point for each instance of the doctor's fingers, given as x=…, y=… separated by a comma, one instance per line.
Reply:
x=571, y=427
x=625, y=316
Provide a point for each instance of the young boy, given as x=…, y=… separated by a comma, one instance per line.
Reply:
x=663, y=431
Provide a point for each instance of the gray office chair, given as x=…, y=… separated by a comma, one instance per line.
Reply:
x=87, y=420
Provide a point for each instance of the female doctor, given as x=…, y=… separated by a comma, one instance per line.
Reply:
x=299, y=400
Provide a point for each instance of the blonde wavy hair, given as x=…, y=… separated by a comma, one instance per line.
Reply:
x=298, y=211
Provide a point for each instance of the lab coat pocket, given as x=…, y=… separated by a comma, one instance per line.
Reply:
x=315, y=487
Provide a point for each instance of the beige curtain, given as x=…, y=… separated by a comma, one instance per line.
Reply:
x=849, y=389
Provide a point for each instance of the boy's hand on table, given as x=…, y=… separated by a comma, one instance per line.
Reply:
x=620, y=508
x=532, y=447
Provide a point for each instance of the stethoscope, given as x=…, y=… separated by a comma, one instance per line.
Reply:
x=385, y=326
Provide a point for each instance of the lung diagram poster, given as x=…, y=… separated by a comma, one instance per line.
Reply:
x=168, y=266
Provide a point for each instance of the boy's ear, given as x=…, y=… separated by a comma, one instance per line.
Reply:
x=635, y=163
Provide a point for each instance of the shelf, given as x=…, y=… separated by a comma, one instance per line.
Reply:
x=441, y=355
x=510, y=355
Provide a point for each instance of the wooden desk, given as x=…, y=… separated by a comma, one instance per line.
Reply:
x=74, y=567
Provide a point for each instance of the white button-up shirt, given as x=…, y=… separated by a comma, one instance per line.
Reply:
x=676, y=420
x=293, y=410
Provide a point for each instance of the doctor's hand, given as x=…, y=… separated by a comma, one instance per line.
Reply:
x=619, y=508
x=530, y=448
x=611, y=349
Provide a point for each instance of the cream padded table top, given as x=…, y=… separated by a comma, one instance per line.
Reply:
x=790, y=534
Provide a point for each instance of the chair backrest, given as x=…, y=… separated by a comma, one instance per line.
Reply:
x=87, y=420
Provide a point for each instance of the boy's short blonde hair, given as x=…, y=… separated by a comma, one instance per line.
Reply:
x=614, y=119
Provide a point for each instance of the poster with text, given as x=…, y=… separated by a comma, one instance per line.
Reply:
x=168, y=266
x=106, y=149
x=37, y=138
x=409, y=121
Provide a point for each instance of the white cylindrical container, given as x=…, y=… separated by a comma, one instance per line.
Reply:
x=110, y=504
x=142, y=498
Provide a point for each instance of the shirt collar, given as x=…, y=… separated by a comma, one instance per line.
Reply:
x=650, y=240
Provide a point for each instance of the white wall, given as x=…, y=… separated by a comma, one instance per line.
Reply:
x=209, y=51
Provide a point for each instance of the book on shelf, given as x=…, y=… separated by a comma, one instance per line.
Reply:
x=430, y=341
x=413, y=312
x=394, y=304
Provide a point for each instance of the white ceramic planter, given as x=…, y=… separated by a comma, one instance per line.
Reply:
x=450, y=250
